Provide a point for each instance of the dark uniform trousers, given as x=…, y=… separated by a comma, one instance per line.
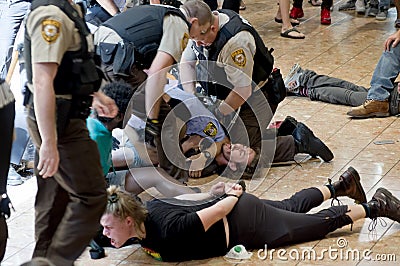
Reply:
x=253, y=123
x=69, y=205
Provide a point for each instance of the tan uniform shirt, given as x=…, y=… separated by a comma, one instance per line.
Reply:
x=52, y=34
x=173, y=42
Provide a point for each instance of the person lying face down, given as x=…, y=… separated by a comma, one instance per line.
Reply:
x=227, y=216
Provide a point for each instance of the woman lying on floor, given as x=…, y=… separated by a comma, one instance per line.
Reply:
x=181, y=229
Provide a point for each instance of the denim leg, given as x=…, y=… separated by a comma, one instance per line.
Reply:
x=10, y=22
x=385, y=73
x=332, y=90
x=384, y=3
x=97, y=15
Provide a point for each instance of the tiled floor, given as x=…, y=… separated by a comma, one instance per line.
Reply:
x=349, y=49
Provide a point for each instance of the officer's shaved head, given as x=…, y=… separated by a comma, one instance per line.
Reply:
x=200, y=10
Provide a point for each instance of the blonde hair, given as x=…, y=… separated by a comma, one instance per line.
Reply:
x=122, y=205
x=200, y=10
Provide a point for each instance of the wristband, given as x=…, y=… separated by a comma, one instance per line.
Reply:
x=233, y=195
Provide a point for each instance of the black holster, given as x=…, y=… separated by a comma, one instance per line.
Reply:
x=121, y=55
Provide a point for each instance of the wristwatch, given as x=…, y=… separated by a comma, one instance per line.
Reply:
x=206, y=154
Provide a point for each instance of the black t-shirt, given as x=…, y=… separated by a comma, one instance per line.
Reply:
x=174, y=232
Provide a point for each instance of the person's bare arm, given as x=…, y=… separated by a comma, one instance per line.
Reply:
x=45, y=110
x=198, y=161
x=157, y=78
x=187, y=69
x=216, y=190
x=236, y=98
x=104, y=105
x=219, y=210
x=109, y=6
x=187, y=73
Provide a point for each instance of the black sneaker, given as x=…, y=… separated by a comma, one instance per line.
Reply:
x=307, y=142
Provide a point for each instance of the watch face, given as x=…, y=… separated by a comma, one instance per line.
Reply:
x=207, y=154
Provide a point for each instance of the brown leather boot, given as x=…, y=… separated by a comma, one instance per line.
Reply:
x=370, y=108
x=349, y=185
x=384, y=204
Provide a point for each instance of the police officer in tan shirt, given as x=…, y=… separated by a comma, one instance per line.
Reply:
x=62, y=78
x=141, y=44
x=232, y=65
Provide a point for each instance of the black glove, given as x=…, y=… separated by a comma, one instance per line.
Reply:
x=152, y=130
x=115, y=143
x=5, y=205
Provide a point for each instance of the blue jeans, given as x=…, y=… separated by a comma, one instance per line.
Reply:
x=384, y=4
x=10, y=22
x=97, y=15
x=385, y=73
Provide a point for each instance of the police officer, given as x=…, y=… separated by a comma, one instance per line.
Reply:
x=234, y=64
x=62, y=78
x=209, y=148
x=150, y=38
x=141, y=44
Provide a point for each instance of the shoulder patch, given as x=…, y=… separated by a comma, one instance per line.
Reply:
x=239, y=57
x=210, y=130
x=50, y=30
x=185, y=40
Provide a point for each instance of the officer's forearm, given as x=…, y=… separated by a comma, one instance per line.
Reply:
x=45, y=101
x=235, y=99
x=157, y=78
x=187, y=71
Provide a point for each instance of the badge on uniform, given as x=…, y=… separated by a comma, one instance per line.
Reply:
x=239, y=57
x=184, y=41
x=210, y=130
x=50, y=30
